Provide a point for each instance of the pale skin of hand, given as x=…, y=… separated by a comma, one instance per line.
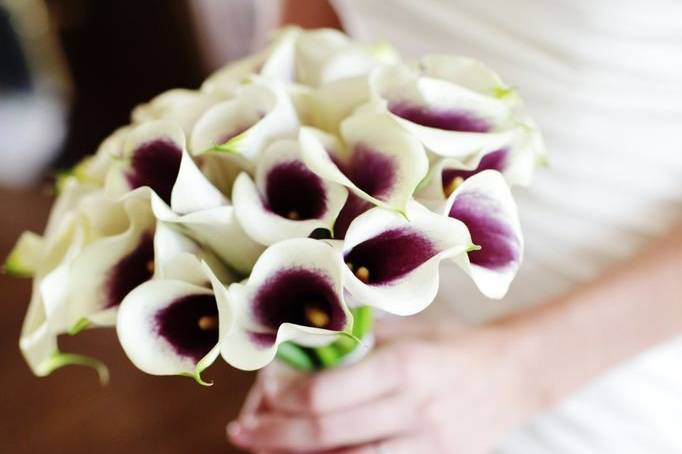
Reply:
x=446, y=388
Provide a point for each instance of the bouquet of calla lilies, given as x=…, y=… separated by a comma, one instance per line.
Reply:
x=268, y=213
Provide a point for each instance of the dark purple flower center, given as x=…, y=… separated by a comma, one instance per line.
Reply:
x=131, y=271
x=300, y=296
x=189, y=325
x=155, y=164
x=449, y=120
x=371, y=171
x=294, y=192
x=500, y=246
x=353, y=208
x=389, y=256
x=496, y=160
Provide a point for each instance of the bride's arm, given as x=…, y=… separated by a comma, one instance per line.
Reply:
x=462, y=392
x=309, y=13
x=635, y=306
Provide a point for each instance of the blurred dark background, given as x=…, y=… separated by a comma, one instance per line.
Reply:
x=70, y=72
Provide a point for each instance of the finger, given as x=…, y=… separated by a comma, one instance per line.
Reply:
x=410, y=444
x=339, y=389
x=389, y=417
x=390, y=329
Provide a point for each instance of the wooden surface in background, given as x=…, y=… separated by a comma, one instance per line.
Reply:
x=70, y=411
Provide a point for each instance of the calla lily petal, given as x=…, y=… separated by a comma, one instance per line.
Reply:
x=154, y=156
x=384, y=164
x=226, y=80
x=326, y=55
x=222, y=169
x=152, y=153
x=38, y=344
x=46, y=315
x=287, y=200
x=448, y=173
x=467, y=72
x=93, y=170
x=392, y=263
x=217, y=229
x=192, y=191
x=180, y=106
x=24, y=258
x=260, y=113
x=178, y=257
x=295, y=293
x=332, y=102
x=449, y=119
x=485, y=205
x=516, y=163
x=108, y=269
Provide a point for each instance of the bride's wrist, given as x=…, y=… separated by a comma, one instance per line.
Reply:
x=534, y=365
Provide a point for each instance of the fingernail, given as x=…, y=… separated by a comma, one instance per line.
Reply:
x=237, y=434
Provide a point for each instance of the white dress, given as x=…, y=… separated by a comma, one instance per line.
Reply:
x=603, y=78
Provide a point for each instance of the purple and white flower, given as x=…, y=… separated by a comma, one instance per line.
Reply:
x=287, y=200
x=449, y=118
x=174, y=327
x=156, y=165
x=485, y=205
x=392, y=261
x=259, y=113
x=380, y=163
x=294, y=293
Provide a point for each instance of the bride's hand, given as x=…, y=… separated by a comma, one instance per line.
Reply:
x=420, y=391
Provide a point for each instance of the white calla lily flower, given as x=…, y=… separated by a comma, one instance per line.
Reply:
x=259, y=113
x=467, y=72
x=157, y=164
x=180, y=106
x=287, y=200
x=219, y=230
x=381, y=164
x=178, y=257
x=306, y=57
x=222, y=169
x=485, y=205
x=516, y=163
x=107, y=269
x=392, y=263
x=93, y=170
x=71, y=226
x=226, y=80
x=154, y=156
x=330, y=103
x=450, y=119
x=173, y=327
x=295, y=293
x=326, y=55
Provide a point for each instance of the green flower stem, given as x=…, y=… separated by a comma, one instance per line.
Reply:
x=296, y=357
x=311, y=359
